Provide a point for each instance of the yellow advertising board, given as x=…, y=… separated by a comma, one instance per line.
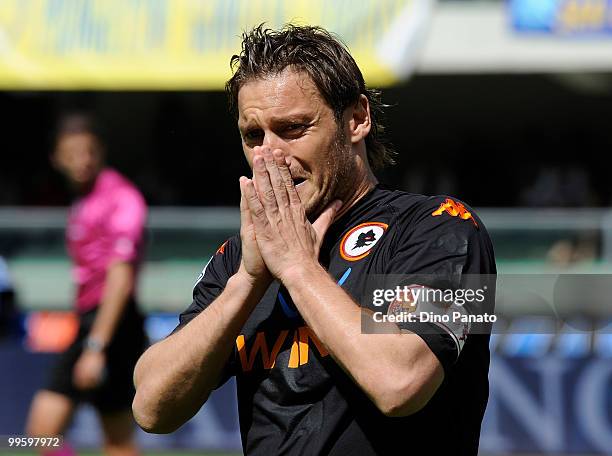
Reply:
x=186, y=44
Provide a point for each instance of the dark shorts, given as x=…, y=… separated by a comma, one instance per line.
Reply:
x=116, y=391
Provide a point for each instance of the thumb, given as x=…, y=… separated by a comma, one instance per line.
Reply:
x=323, y=222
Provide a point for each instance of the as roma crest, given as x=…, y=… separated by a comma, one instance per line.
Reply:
x=359, y=240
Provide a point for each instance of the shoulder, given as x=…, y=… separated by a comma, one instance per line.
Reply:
x=415, y=211
x=225, y=259
x=411, y=207
x=430, y=231
x=123, y=191
x=412, y=211
x=441, y=221
x=231, y=247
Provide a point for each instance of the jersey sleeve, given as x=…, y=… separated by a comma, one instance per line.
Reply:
x=209, y=285
x=212, y=280
x=443, y=245
x=126, y=225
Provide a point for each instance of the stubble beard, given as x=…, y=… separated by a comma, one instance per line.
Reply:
x=342, y=168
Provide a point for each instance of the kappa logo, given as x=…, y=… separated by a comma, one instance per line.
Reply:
x=221, y=249
x=454, y=209
x=359, y=240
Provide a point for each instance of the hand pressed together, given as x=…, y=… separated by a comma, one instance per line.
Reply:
x=274, y=217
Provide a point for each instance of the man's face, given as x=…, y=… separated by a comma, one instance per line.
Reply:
x=286, y=112
x=79, y=157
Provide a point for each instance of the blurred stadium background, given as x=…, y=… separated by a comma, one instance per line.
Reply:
x=504, y=104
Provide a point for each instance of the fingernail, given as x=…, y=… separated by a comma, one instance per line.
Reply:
x=338, y=204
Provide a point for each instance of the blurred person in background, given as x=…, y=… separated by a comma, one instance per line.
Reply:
x=105, y=239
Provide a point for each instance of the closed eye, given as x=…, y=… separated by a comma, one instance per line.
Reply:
x=294, y=130
x=296, y=126
x=253, y=137
x=253, y=134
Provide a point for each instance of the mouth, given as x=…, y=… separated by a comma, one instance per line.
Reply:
x=298, y=180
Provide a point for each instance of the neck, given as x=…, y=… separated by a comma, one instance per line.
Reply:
x=366, y=184
x=84, y=188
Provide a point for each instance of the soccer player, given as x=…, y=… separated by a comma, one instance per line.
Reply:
x=105, y=240
x=278, y=306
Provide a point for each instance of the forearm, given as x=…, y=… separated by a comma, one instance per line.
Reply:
x=388, y=365
x=174, y=377
x=118, y=287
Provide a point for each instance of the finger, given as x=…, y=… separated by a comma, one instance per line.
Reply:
x=323, y=222
x=283, y=169
x=264, y=186
x=256, y=209
x=278, y=185
x=257, y=150
x=245, y=214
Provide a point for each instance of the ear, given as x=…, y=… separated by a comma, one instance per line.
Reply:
x=360, y=121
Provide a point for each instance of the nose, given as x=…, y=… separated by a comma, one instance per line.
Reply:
x=272, y=140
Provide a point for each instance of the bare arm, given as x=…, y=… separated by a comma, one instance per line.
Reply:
x=175, y=376
x=125, y=225
x=397, y=370
x=118, y=287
